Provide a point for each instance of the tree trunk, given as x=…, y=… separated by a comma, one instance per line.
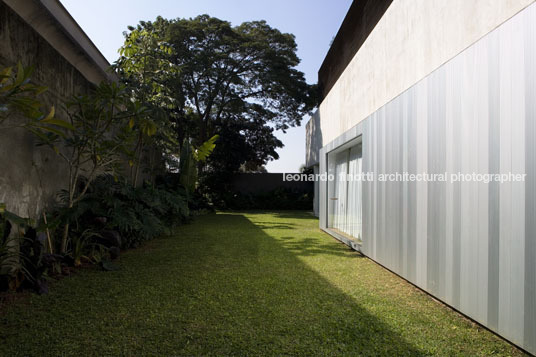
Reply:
x=64, y=238
x=65, y=235
x=140, y=155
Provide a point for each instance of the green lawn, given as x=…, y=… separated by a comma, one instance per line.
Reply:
x=241, y=284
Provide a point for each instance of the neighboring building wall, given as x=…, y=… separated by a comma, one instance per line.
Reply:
x=31, y=176
x=413, y=38
x=472, y=245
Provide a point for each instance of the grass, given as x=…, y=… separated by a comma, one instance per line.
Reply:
x=241, y=284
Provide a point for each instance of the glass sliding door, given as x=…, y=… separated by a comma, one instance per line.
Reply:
x=354, y=200
x=345, y=191
x=339, y=213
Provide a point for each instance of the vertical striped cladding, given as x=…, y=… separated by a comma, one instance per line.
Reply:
x=323, y=189
x=529, y=258
x=471, y=244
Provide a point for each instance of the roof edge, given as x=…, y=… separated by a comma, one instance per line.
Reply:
x=359, y=22
x=56, y=25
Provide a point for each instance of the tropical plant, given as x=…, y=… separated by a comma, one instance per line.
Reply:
x=18, y=96
x=16, y=265
x=144, y=128
x=189, y=158
x=9, y=255
x=98, y=141
x=10, y=266
x=137, y=213
x=148, y=72
x=35, y=261
x=81, y=246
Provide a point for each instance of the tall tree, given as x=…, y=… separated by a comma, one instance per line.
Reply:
x=213, y=78
x=145, y=66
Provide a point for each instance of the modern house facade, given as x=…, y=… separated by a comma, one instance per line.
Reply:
x=436, y=100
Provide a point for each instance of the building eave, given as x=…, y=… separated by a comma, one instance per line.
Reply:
x=54, y=23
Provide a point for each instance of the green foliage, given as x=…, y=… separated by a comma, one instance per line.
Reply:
x=188, y=168
x=205, y=149
x=144, y=66
x=189, y=159
x=99, y=135
x=19, y=96
x=100, y=140
x=81, y=244
x=9, y=255
x=11, y=269
x=212, y=78
x=245, y=70
x=17, y=258
x=146, y=127
x=241, y=144
x=139, y=214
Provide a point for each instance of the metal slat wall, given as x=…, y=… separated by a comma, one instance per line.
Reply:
x=471, y=244
x=530, y=184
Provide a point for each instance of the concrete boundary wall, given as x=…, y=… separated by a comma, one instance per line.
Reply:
x=258, y=183
x=29, y=33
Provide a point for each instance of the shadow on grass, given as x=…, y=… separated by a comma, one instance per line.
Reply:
x=294, y=214
x=272, y=225
x=276, y=304
x=311, y=247
x=281, y=214
x=221, y=286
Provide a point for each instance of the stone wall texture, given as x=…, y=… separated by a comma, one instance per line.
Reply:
x=31, y=176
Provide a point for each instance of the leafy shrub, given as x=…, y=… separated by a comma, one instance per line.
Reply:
x=24, y=262
x=10, y=267
x=138, y=214
x=198, y=202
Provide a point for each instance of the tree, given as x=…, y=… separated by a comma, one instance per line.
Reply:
x=98, y=141
x=144, y=66
x=213, y=78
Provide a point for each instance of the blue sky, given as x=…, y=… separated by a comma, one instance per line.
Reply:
x=313, y=22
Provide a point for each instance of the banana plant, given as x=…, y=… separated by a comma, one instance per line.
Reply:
x=204, y=150
x=189, y=158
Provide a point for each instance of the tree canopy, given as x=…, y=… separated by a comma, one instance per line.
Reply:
x=210, y=77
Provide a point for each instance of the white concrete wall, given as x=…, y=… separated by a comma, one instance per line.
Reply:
x=412, y=39
x=316, y=192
